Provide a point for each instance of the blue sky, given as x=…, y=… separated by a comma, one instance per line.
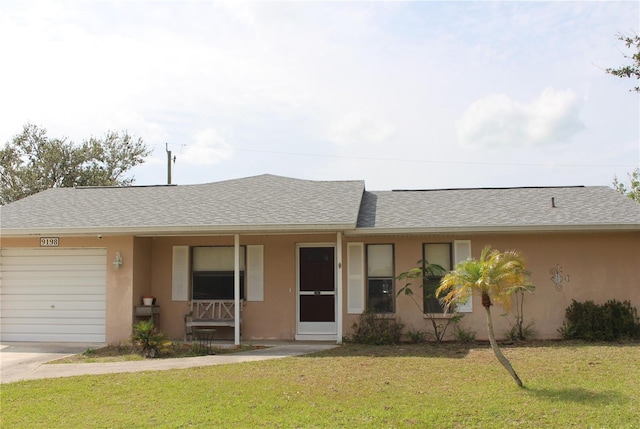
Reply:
x=403, y=95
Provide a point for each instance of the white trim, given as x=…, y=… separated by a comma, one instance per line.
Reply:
x=236, y=287
x=338, y=286
x=492, y=229
x=349, y=230
x=178, y=230
x=314, y=337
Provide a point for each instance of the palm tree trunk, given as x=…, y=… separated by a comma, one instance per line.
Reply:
x=496, y=350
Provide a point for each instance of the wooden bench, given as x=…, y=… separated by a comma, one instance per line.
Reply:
x=209, y=314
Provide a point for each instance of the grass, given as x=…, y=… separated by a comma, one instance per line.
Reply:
x=124, y=352
x=413, y=386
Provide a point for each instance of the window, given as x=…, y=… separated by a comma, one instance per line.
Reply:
x=213, y=273
x=380, y=289
x=435, y=253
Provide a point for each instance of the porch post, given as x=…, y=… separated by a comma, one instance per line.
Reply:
x=236, y=287
x=339, y=288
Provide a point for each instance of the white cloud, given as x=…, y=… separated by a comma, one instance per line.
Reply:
x=498, y=120
x=209, y=148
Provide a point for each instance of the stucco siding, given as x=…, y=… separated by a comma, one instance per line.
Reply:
x=599, y=267
x=595, y=266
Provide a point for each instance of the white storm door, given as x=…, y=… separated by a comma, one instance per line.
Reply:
x=316, y=290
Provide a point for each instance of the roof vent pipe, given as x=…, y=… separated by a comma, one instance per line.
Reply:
x=553, y=202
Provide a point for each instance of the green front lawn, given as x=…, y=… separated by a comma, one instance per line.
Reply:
x=452, y=386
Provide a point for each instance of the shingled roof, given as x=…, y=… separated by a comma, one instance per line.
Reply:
x=270, y=203
x=259, y=203
x=498, y=209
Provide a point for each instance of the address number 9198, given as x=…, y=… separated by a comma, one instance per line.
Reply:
x=49, y=242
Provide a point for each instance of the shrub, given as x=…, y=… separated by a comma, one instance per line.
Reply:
x=376, y=330
x=610, y=321
x=147, y=340
x=621, y=320
x=464, y=335
x=416, y=337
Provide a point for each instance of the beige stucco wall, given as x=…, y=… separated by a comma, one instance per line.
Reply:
x=600, y=267
x=142, y=270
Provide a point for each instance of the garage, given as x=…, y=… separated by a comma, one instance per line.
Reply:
x=54, y=295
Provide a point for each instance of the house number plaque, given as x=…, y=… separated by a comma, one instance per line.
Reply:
x=49, y=241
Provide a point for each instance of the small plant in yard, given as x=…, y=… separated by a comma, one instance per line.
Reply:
x=147, y=339
x=440, y=322
x=376, y=330
x=441, y=325
x=519, y=331
x=524, y=333
x=416, y=337
x=463, y=334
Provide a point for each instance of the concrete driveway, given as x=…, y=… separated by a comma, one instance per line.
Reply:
x=18, y=360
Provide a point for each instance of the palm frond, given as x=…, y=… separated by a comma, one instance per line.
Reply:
x=496, y=274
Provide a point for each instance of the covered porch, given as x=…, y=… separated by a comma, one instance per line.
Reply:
x=244, y=287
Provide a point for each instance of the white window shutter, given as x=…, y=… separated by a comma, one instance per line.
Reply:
x=255, y=273
x=180, y=274
x=355, y=278
x=462, y=252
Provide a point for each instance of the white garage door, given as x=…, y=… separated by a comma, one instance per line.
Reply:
x=53, y=295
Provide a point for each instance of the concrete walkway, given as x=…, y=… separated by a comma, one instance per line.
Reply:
x=24, y=361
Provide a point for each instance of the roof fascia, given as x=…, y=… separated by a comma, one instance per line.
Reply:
x=500, y=229
x=178, y=230
x=347, y=229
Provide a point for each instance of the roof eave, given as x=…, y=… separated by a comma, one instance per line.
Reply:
x=495, y=229
x=348, y=229
x=175, y=230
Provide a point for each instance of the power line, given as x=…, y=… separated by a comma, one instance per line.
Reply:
x=420, y=161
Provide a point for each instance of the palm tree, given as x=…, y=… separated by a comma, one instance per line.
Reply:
x=495, y=276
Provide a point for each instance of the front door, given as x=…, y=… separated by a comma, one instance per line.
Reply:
x=316, y=290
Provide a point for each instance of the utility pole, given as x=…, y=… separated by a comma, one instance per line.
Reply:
x=169, y=163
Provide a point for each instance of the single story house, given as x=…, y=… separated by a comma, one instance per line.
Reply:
x=289, y=259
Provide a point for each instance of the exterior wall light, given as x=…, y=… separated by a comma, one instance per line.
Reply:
x=117, y=262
